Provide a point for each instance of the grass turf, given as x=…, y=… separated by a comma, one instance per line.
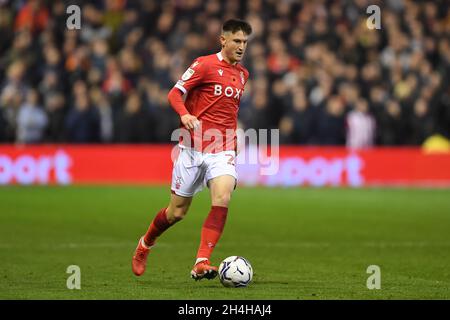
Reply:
x=303, y=243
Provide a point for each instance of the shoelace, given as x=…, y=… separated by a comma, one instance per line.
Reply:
x=141, y=255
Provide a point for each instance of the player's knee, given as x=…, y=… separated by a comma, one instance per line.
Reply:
x=222, y=199
x=177, y=213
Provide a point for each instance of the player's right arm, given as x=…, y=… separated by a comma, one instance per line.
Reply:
x=176, y=101
x=190, y=79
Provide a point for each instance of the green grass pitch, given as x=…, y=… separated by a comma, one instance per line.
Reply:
x=303, y=243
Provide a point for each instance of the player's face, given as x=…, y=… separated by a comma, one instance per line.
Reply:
x=234, y=45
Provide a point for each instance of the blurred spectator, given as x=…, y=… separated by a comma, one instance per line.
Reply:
x=392, y=126
x=360, y=126
x=134, y=124
x=377, y=97
x=421, y=123
x=443, y=123
x=331, y=123
x=19, y=51
x=279, y=104
x=82, y=123
x=11, y=95
x=286, y=130
x=3, y=125
x=53, y=62
x=105, y=112
x=33, y=16
x=113, y=14
x=99, y=55
x=303, y=117
x=256, y=115
x=93, y=26
x=50, y=83
x=31, y=120
x=55, y=102
x=6, y=29
x=115, y=85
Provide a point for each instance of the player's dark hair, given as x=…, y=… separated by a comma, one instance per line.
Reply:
x=235, y=25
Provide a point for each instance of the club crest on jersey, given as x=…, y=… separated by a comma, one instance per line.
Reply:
x=178, y=182
x=220, y=72
x=242, y=78
x=188, y=74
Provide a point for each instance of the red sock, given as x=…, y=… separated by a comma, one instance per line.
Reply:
x=157, y=227
x=211, y=231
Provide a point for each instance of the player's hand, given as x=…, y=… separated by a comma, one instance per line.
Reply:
x=189, y=121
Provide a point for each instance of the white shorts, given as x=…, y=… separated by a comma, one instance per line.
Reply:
x=193, y=169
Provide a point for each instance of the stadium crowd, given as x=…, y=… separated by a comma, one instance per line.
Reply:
x=317, y=72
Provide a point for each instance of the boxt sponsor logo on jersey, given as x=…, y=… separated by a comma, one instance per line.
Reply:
x=43, y=169
x=228, y=91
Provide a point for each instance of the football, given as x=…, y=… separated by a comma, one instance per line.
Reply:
x=235, y=272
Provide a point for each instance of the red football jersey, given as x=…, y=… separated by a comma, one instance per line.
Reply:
x=214, y=89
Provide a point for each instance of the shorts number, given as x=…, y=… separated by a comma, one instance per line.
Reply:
x=230, y=159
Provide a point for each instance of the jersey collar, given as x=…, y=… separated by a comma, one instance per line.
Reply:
x=220, y=57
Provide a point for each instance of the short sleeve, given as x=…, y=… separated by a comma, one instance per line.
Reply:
x=192, y=77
